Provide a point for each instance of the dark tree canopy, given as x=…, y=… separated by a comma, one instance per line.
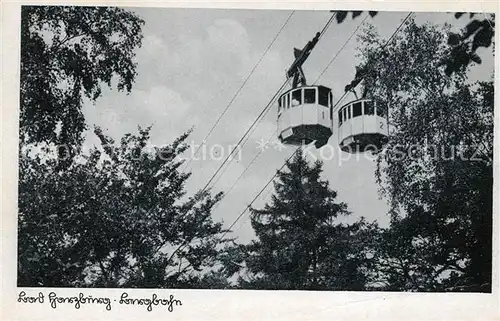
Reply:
x=114, y=218
x=437, y=168
x=119, y=216
x=342, y=15
x=462, y=47
x=68, y=53
x=478, y=33
x=299, y=244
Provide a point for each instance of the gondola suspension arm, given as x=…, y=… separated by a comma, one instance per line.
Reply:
x=301, y=55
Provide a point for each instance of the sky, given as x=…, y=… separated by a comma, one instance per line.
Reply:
x=192, y=63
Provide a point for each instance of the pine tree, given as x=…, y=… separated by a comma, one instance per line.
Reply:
x=118, y=217
x=299, y=244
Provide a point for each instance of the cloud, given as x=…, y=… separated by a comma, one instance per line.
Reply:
x=159, y=106
x=227, y=46
x=153, y=47
x=187, y=60
x=209, y=67
x=186, y=77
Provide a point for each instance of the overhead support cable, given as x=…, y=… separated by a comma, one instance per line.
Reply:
x=239, y=90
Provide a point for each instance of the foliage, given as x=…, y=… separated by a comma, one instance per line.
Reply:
x=119, y=217
x=478, y=33
x=342, y=15
x=463, y=46
x=437, y=168
x=67, y=53
x=300, y=246
x=114, y=219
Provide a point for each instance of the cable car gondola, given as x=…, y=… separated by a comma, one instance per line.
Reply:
x=304, y=112
x=304, y=115
x=362, y=126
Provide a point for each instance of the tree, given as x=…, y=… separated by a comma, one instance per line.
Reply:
x=463, y=46
x=404, y=260
x=114, y=218
x=437, y=169
x=67, y=53
x=341, y=15
x=478, y=33
x=299, y=245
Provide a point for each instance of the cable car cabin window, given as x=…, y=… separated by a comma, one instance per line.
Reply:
x=309, y=96
x=348, y=112
x=297, y=97
x=330, y=97
x=381, y=110
x=344, y=114
x=340, y=117
x=286, y=104
x=356, y=109
x=369, y=108
x=323, y=96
